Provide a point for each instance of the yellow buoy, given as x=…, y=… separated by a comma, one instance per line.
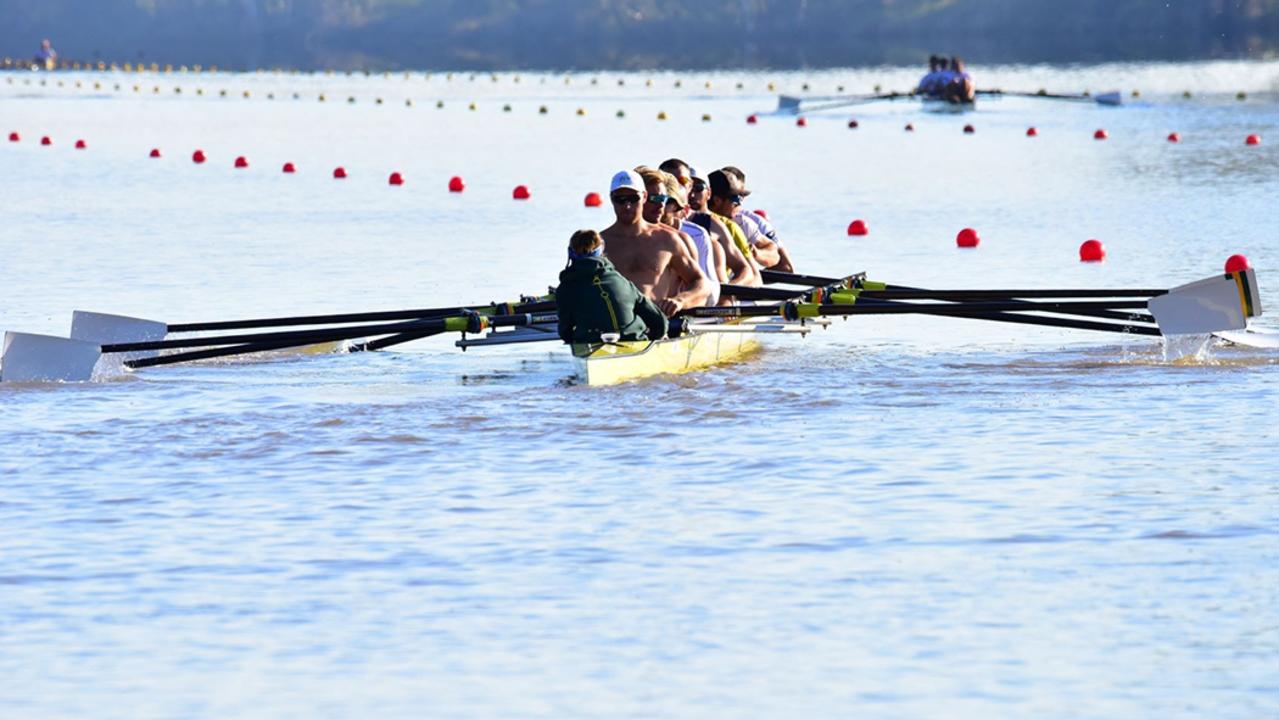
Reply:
x=621, y=113
x=1186, y=94
x=542, y=110
x=1136, y=93
x=408, y=102
x=439, y=104
x=471, y=106
x=706, y=117
x=708, y=84
x=246, y=94
x=322, y=98
x=351, y=99
x=199, y=91
x=581, y=112
x=177, y=90
x=1241, y=95
x=805, y=87
x=772, y=87
x=679, y=83
x=661, y=115
x=506, y=108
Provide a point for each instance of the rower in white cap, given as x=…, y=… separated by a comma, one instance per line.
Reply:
x=654, y=257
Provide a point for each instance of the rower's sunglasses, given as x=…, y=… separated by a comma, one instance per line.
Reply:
x=698, y=186
x=625, y=199
x=735, y=199
x=658, y=199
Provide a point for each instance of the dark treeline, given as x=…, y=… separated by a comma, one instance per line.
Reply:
x=634, y=34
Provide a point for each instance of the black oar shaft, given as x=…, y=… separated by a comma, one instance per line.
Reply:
x=300, y=337
x=773, y=276
x=338, y=318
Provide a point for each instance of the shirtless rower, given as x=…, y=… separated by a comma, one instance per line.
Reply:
x=668, y=204
x=760, y=233
x=653, y=257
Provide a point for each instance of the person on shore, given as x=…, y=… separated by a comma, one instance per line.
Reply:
x=652, y=256
x=594, y=299
x=46, y=56
x=959, y=86
x=760, y=232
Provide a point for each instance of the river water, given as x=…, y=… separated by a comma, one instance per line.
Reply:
x=895, y=517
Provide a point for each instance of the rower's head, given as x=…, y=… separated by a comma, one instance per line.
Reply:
x=933, y=61
x=678, y=168
x=957, y=64
x=942, y=62
x=45, y=44
x=727, y=192
x=585, y=244
x=627, y=194
x=699, y=193
x=662, y=188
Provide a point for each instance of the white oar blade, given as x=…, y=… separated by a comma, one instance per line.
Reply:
x=1259, y=339
x=45, y=358
x=788, y=103
x=1217, y=304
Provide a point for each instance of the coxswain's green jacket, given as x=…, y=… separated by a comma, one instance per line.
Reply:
x=594, y=298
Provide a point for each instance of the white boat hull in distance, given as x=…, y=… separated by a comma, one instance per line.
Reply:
x=940, y=105
x=1217, y=304
x=610, y=364
x=30, y=358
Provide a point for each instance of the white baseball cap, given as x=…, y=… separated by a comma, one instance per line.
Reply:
x=628, y=180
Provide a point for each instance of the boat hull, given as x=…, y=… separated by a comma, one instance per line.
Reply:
x=940, y=105
x=621, y=362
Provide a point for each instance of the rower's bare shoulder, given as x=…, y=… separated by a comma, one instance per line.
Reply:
x=668, y=238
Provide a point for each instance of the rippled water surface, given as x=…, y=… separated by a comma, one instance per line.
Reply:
x=895, y=517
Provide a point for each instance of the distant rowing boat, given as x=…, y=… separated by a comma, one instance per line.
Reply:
x=943, y=106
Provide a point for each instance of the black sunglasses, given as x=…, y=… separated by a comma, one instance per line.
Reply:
x=624, y=199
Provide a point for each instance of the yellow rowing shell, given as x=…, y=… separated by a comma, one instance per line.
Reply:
x=613, y=363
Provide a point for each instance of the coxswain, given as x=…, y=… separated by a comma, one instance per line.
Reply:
x=594, y=299
x=652, y=256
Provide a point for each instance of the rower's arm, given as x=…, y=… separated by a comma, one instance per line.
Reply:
x=653, y=317
x=766, y=253
x=743, y=269
x=785, y=264
x=696, y=287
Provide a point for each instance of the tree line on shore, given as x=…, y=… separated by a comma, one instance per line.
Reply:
x=635, y=34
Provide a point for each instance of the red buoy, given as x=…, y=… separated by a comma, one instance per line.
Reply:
x=1101, y=134
x=1032, y=132
x=858, y=228
x=14, y=137
x=395, y=179
x=593, y=200
x=1092, y=251
x=155, y=152
x=967, y=238
x=521, y=193
x=760, y=213
x=289, y=168
x=80, y=145
x=801, y=122
x=969, y=129
x=339, y=173
x=910, y=127
x=1253, y=140
x=198, y=157
x=1237, y=263
x=241, y=162
x=1174, y=137
x=456, y=185
x=751, y=119
x=852, y=125
x=46, y=140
